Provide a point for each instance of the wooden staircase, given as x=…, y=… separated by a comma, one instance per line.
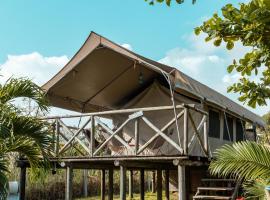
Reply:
x=223, y=189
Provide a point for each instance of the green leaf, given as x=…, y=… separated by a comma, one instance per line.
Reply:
x=197, y=30
x=230, y=45
x=217, y=42
x=230, y=68
x=168, y=2
x=180, y=1
x=207, y=39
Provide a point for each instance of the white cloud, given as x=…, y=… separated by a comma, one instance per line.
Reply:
x=127, y=46
x=194, y=60
x=34, y=66
x=207, y=64
x=231, y=78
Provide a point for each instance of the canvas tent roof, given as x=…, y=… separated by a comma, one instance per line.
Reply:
x=103, y=75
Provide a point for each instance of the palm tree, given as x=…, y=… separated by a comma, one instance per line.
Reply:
x=246, y=161
x=22, y=134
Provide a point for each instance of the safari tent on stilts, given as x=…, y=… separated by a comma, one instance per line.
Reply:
x=150, y=116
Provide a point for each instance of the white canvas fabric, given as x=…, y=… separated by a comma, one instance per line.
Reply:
x=157, y=95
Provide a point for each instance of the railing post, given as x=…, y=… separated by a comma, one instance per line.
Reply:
x=185, y=131
x=136, y=135
x=205, y=134
x=57, y=132
x=92, y=136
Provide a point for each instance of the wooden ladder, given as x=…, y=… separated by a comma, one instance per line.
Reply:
x=223, y=189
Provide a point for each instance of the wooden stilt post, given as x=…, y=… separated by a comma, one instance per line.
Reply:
x=153, y=182
x=69, y=177
x=85, y=183
x=159, y=184
x=110, y=192
x=102, y=187
x=142, y=184
x=130, y=184
x=181, y=182
x=167, y=185
x=122, y=182
x=22, y=183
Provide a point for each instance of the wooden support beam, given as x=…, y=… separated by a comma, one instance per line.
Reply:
x=159, y=184
x=92, y=137
x=102, y=186
x=130, y=184
x=197, y=134
x=110, y=191
x=167, y=185
x=22, y=183
x=163, y=135
x=181, y=182
x=186, y=131
x=57, y=132
x=85, y=183
x=205, y=136
x=137, y=121
x=69, y=177
x=142, y=184
x=164, y=128
x=153, y=182
x=123, y=182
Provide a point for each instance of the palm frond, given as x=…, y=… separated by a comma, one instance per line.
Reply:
x=243, y=160
x=255, y=189
x=14, y=124
x=23, y=87
x=35, y=129
x=3, y=178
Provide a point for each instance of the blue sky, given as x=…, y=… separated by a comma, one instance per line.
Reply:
x=38, y=37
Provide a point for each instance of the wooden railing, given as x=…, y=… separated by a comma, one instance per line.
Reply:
x=83, y=142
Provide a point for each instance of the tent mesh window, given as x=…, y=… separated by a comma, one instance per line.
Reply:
x=230, y=126
x=239, y=130
x=214, y=124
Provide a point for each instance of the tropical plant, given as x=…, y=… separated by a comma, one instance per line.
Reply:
x=248, y=24
x=22, y=134
x=246, y=161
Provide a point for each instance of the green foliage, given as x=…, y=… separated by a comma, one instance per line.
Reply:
x=247, y=161
x=249, y=24
x=23, y=135
x=255, y=189
x=168, y=2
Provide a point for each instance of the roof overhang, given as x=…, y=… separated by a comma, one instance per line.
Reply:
x=103, y=75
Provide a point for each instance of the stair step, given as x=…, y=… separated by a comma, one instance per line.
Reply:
x=216, y=188
x=217, y=180
x=211, y=197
